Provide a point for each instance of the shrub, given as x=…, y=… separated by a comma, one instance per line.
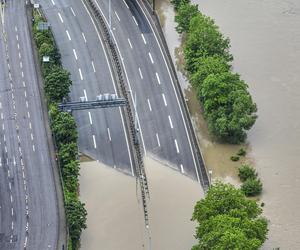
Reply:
x=241, y=152
x=247, y=172
x=235, y=158
x=252, y=187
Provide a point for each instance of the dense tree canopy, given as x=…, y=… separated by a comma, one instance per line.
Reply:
x=228, y=106
x=204, y=39
x=183, y=16
x=227, y=220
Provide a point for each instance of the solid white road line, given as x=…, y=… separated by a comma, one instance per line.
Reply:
x=170, y=121
x=176, y=145
x=117, y=16
x=53, y=2
x=108, y=133
x=150, y=56
x=157, y=77
x=94, y=140
x=135, y=21
x=143, y=38
x=129, y=43
x=141, y=75
x=80, y=74
x=85, y=95
x=149, y=104
x=75, y=54
x=60, y=17
x=72, y=11
x=164, y=98
x=94, y=69
x=69, y=37
x=158, y=141
x=83, y=37
x=126, y=4
x=90, y=118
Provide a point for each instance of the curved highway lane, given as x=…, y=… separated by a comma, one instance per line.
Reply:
x=162, y=125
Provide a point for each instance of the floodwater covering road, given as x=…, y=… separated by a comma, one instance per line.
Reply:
x=265, y=39
x=115, y=219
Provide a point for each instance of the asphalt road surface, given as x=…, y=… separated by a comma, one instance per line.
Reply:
x=162, y=126
x=28, y=201
x=102, y=135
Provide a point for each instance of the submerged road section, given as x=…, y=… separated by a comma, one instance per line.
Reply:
x=29, y=217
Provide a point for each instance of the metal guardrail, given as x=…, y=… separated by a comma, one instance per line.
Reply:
x=114, y=57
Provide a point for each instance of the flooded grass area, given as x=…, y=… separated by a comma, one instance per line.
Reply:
x=115, y=217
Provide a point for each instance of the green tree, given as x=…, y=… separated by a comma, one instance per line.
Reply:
x=42, y=37
x=204, y=39
x=225, y=199
x=177, y=3
x=70, y=173
x=228, y=106
x=227, y=220
x=67, y=153
x=247, y=172
x=48, y=49
x=206, y=66
x=252, y=187
x=76, y=217
x=64, y=127
x=57, y=84
x=185, y=13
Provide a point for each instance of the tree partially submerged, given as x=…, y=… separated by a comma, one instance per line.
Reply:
x=227, y=220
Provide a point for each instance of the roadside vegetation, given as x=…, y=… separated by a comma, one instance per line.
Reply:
x=228, y=107
x=252, y=185
x=228, y=220
x=57, y=87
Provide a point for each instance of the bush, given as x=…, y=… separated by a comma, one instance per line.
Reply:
x=242, y=152
x=247, y=172
x=235, y=158
x=252, y=187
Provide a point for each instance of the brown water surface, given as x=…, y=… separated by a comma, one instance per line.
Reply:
x=115, y=219
x=265, y=39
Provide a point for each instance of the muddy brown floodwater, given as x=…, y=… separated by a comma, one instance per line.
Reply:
x=265, y=39
x=115, y=219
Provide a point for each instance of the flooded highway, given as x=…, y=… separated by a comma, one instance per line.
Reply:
x=115, y=218
x=265, y=39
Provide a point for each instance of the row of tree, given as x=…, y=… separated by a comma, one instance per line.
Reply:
x=228, y=220
x=63, y=126
x=227, y=104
